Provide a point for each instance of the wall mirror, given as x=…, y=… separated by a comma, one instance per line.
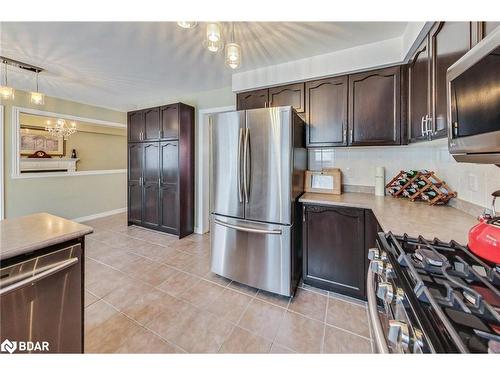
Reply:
x=57, y=144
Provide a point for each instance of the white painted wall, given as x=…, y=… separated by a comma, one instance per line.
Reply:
x=473, y=182
x=367, y=56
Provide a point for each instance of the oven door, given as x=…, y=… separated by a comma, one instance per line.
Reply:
x=41, y=302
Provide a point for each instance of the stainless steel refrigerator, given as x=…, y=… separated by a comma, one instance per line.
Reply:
x=257, y=166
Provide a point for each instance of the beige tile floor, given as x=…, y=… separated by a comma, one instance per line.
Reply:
x=148, y=292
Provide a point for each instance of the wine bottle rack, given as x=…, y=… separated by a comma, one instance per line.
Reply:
x=423, y=185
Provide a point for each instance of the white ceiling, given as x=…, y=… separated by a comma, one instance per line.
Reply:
x=125, y=65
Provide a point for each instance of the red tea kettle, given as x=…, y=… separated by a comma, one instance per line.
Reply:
x=484, y=237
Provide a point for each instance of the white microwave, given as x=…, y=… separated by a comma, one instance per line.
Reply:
x=474, y=103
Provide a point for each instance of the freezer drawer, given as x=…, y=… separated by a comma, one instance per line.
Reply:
x=252, y=253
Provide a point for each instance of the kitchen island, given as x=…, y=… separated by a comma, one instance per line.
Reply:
x=42, y=283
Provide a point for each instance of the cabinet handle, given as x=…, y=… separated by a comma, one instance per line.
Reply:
x=428, y=127
x=304, y=214
x=344, y=136
x=351, y=135
x=422, y=125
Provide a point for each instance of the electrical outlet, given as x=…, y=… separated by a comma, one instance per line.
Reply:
x=473, y=182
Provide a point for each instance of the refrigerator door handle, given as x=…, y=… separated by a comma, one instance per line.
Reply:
x=246, y=167
x=248, y=229
x=238, y=170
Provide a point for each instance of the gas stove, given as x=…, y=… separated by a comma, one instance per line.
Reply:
x=428, y=296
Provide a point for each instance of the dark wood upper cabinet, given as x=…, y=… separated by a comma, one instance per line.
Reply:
x=252, y=99
x=288, y=95
x=151, y=124
x=449, y=42
x=375, y=107
x=326, y=118
x=161, y=173
x=135, y=124
x=419, y=91
x=169, y=121
x=336, y=261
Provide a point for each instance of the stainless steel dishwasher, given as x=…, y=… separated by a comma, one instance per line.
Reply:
x=41, y=302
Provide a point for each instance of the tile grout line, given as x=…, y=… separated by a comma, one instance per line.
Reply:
x=322, y=350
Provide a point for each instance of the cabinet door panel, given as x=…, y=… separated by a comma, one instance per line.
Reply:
x=134, y=202
x=135, y=123
x=151, y=163
x=151, y=184
x=169, y=121
x=253, y=99
x=374, y=107
x=135, y=161
x=169, y=208
x=151, y=205
x=169, y=155
x=288, y=95
x=327, y=112
x=151, y=124
x=450, y=41
x=419, y=91
x=334, y=249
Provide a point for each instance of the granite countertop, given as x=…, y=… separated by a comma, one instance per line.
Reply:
x=33, y=232
x=401, y=216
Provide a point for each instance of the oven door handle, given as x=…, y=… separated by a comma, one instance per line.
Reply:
x=39, y=276
x=379, y=336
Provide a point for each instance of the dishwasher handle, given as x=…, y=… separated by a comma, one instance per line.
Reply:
x=39, y=276
x=378, y=332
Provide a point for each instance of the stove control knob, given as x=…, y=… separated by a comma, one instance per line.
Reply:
x=385, y=292
x=383, y=256
x=399, y=334
x=373, y=253
x=400, y=296
x=389, y=271
x=377, y=266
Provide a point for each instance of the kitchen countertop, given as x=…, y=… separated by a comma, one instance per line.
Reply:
x=401, y=216
x=33, y=232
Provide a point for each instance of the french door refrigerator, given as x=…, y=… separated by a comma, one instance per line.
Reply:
x=257, y=166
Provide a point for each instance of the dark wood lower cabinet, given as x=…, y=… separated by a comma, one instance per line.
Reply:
x=335, y=248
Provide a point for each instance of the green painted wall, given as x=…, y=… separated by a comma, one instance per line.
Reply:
x=70, y=197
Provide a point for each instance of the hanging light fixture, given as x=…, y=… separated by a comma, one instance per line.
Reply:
x=213, y=32
x=214, y=46
x=6, y=92
x=233, y=52
x=187, y=24
x=61, y=129
x=37, y=97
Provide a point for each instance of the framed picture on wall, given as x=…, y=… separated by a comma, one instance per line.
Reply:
x=33, y=140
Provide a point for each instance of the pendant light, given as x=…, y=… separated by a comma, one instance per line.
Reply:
x=233, y=53
x=187, y=24
x=213, y=32
x=6, y=92
x=37, y=97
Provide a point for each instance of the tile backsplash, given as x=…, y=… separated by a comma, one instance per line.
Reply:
x=474, y=183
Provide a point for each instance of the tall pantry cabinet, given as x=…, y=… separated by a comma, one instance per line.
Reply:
x=161, y=168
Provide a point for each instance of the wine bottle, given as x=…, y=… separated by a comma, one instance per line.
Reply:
x=402, y=181
x=417, y=184
x=429, y=194
x=410, y=174
x=409, y=192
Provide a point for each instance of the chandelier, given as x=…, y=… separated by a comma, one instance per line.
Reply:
x=61, y=129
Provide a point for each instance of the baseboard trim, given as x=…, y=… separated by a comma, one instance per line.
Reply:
x=100, y=215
